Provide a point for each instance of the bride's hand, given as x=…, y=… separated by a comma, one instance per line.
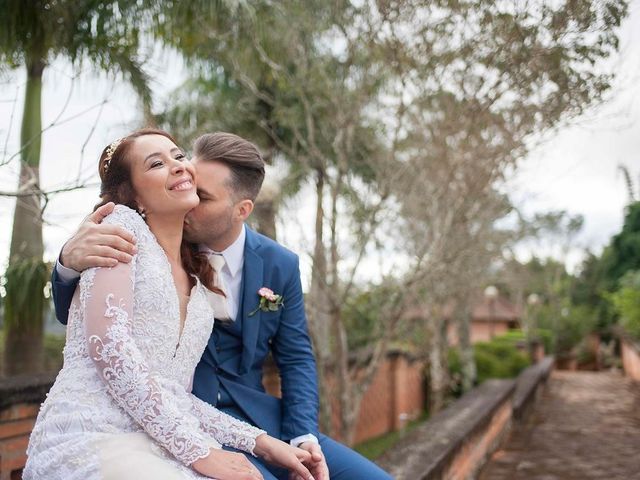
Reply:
x=224, y=465
x=98, y=245
x=283, y=455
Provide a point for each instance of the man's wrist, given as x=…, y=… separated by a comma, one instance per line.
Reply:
x=66, y=274
x=309, y=437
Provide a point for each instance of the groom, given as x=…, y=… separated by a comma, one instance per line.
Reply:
x=230, y=171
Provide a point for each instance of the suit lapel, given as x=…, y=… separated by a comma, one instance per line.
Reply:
x=252, y=281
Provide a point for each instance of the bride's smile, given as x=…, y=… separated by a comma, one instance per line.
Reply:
x=162, y=176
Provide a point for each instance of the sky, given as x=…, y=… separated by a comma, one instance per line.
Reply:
x=575, y=168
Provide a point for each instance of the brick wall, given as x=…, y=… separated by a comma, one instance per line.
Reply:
x=456, y=442
x=395, y=396
x=478, y=447
x=20, y=399
x=16, y=423
x=630, y=359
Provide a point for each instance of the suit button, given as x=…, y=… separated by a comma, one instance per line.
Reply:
x=218, y=349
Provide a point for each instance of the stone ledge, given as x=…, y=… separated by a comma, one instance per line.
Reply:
x=25, y=389
x=430, y=449
x=527, y=385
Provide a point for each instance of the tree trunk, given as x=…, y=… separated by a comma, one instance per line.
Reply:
x=319, y=302
x=437, y=374
x=24, y=349
x=325, y=395
x=266, y=207
x=345, y=385
x=467, y=359
x=26, y=239
x=23, y=334
x=319, y=314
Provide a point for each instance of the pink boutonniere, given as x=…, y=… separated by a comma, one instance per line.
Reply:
x=269, y=301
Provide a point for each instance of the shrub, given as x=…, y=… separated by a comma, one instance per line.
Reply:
x=546, y=337
x=498, y=358
x=572, y=327
x=626, y=302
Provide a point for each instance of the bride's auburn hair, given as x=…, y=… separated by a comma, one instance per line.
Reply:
x=114, y=168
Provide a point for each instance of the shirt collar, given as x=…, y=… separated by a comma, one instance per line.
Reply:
x=233, y=254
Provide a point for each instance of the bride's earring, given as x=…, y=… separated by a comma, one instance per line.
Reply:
x=142, y=214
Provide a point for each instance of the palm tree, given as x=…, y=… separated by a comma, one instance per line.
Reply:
x=32, y=34
x=631, y=190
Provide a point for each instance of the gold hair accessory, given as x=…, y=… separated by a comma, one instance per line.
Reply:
x=110, y=151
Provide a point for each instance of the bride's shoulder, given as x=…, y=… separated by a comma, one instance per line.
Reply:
x=127, y=218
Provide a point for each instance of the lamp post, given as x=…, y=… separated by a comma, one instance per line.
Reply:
x=491, y=293
x=531, y=325
x=533, y=300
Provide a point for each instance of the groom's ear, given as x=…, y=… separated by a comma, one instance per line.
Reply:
x=244, y=209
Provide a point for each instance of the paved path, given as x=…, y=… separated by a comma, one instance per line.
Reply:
x=585, y=426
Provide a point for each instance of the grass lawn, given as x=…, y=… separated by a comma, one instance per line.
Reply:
x=375, y=447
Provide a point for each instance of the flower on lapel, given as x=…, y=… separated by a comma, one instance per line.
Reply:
x=269, y=301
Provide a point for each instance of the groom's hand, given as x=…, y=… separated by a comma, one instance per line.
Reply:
x=317, y=465
x=97, y=245
x=284, y=455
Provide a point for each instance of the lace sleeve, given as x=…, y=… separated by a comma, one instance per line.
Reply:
x=108, y=311
x=224, y=428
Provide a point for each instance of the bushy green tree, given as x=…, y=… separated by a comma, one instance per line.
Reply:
x=600, y=277
x=626, y=302
x=623, y=253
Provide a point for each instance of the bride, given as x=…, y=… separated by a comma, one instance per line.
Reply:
x=121, y=406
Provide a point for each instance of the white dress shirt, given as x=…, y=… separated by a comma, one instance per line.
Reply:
x=232, y=271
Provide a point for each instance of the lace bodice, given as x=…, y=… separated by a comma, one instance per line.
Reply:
x=127, y=366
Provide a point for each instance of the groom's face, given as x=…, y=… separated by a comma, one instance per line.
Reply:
x=214, y=219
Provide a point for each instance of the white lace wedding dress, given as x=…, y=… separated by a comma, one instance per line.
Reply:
x=120, y=407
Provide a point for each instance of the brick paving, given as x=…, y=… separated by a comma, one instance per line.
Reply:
x=585, y=426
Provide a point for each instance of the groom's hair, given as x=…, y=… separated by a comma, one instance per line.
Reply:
x=241, y=156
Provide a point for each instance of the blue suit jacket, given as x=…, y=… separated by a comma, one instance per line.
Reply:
x=284, y=333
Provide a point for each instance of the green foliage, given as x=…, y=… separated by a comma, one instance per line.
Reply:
x=108, y=34
x=547, y=276
x=590, y=290
x=626, y=302
x=567, y=325
x=575, y=323
x=623, y=253
x=599, y=287
x=25, y=283
x=498, y=358
x=546, y=337
x=364, y=315
x=512, y=337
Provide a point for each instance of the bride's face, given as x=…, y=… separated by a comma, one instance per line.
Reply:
x=162, y=177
